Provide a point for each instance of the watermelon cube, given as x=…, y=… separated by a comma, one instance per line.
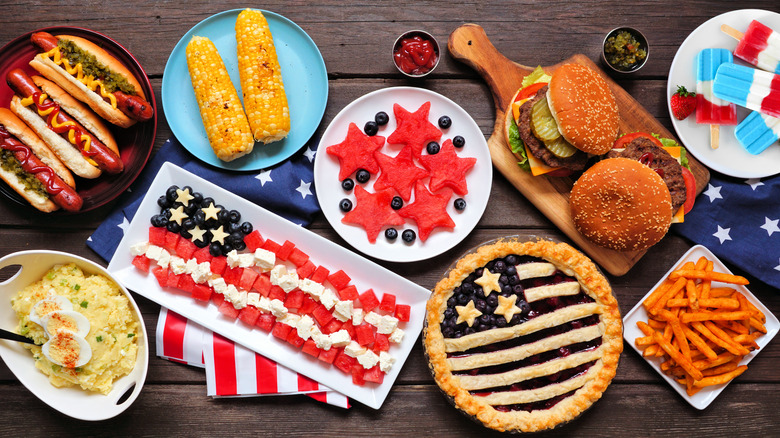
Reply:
x=348, y=293
x=265, y=321
x=368, y=300
x=202, y=255
x=186, y=283
x=374, y=374
x=357, y=372
x=262, y=284
x=322, y=315
x=217, y=299
x=233, y=275
x=185, y=248
x=294, y=300
x=294, y=339
x=281, y=331
x=344, y=362
x=339, y=279
x=249, y=314
x=349, y=328
x=218, y=265
x=307, y=306
x=201, y=292
x=227, y=309
x=142, y=262
x=297, y=257
x=320, y=274
x=332, y=327
x=328, y=356
x=365, y=334
x=388, y=303
x=157, y=235
x=286, y=249
x=173, y=279
x=277, y=293
x=248, y=278
x=306, y=270
x=310, y=348
x=253, y=240
x=402, y=312
x=381, y=343
x=272, y=246
x=171, y=240
x=161, y=274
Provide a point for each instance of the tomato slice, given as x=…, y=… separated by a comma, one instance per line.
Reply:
x=621, y=142
x=529, y=91
x=690, y=190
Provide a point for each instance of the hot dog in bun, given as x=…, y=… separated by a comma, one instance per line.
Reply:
x=29, y=167
x=73, y=132
x=93, y=76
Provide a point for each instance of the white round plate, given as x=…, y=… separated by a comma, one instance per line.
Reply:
x=730, y=158
x=72, y=401
x=479, y=179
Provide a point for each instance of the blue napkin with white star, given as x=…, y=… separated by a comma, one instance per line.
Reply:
x=739, y=221
x=285, y=189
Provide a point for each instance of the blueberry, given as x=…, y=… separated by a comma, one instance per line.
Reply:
x=503, y=279
x=345, y=205
x=511, y=260
x=511, y=270
x=513, y=280
x=171, y=193
x=159, y=220
x=215, y=249
x=362, y=176
x=408, y=236
x=233, y=227
x=371, y=128
x=492, y=300
x=449, y=313
x=188, y=224
x=199, y=217
x=500, y=322
x=524, y=307
x=469, y=330
x=197, y=198
x=458, y=141
x=185, y=233
x=201, y=243
x=445, y=122
x=223, y=216
x=235, y=237
x=391, y=234
x=381, y=118
x=433, y=148
x=452, y=301
x=226, y=248
x=518, y=289
x=464, y=298
x=499, y=266
x=206, y=202
x=246, y=227
x=396, y=203
x=467, y=287
x=485, y=319
x=506, y=290
x=240, y=245
x=235, y=216
x=448, y=332
x=348, y=184
x=460, y=204
x=480, y=305
x=482, y=327
x=173, y=227
x=163, y=202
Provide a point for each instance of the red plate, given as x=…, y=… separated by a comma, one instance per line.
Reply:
x=135, y=143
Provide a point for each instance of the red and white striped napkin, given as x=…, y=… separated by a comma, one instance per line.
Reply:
x=231, y=369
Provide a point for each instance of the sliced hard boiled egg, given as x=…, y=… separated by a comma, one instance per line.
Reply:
x=67, y=349
x=47, y=305
x=65, y=320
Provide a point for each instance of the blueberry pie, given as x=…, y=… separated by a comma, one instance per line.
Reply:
x=523, y=336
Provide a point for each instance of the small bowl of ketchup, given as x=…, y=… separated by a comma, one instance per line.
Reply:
x=416, y=53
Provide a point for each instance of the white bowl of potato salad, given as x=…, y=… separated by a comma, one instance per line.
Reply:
x=91, y=352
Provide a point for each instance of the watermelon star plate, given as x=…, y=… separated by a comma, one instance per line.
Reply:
x=415, y=102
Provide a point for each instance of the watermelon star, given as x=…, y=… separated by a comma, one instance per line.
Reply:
x=372, y=212
x=428, y=210
x=447, y=169
x=414, y=130
x=356, y=152
x=399, y=173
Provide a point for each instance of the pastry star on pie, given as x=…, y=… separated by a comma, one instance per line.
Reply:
x=467, y=313
x=538, y=355
x=489, y=281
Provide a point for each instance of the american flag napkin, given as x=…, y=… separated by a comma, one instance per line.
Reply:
x=739, y=221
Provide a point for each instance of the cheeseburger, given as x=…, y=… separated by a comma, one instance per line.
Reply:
x=555, y=122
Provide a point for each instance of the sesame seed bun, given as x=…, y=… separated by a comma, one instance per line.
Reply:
x=584, y=107
x=621, y=204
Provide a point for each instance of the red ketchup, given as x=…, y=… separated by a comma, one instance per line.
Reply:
x=24, y=155
x=78, y=134
x=415, y=55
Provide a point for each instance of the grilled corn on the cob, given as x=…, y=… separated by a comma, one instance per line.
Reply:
x=223, y=116
x=261, y=78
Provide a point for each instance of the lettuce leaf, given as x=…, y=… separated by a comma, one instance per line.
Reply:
x=538, y=75
x=517, y=146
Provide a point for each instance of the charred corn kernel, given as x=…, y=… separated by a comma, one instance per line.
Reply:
x=261, y=78
x=220, y=108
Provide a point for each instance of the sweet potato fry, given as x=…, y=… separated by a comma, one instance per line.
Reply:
x=681, y=360
x=706, y=285
x=711, y=276
x=699, y=343
x=719, y=292
x=713, y=316
x=676, y=287
x=726, y=338
x=715, y=303
x=693, y=294
x=728, y=346
x=722, y=378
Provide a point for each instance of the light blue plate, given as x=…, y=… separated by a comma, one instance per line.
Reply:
x=303, y=72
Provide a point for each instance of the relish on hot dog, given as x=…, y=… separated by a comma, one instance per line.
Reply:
x=74, y=133
x=29, y=167
x=93, y=76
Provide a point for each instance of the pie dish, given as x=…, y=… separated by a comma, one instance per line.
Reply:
x=523, y=335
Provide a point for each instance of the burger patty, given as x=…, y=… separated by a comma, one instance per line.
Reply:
x=537, y=148
x=644, y=150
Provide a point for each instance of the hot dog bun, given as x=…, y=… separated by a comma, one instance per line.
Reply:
x=24, y=134
x=57, y=74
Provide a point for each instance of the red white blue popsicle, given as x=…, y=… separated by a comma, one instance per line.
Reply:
x=759, y=45
x=751, y=88
x=710, y=109
x=757, y=132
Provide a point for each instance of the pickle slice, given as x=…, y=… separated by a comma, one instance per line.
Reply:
x=543, y=124
x=560, y=147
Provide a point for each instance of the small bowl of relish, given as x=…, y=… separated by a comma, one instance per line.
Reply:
x=625, y=50
x=416, y=53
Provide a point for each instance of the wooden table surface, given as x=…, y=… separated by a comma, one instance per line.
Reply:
x=355, y=42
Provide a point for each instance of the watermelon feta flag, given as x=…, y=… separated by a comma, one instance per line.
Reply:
x=739, y=221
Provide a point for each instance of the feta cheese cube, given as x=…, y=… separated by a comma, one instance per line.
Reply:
x=190, y=266
x=357, y=317
x=328, y=298
x=304, y=327
x=396, y=336
x=219, y=285
x=139, y=248
x=353, y=349
x=289, y=282
x=373, y=318
x=312, y=288
x=277, y=273
x=343, y=310
x=340, y=338
x=386, y=361
x=241, y=300
x=253, y=299
x=153, y=252
x=231, y=293
x=368, y=359
x=202, y=272
x=322, y=341
x=177, y=265
x=278, y=309
x=264, y=304
x=387, y=324
x=232, y=258
x=264, y=259
x=164, y=258
x=290, y=319
x=246, y=260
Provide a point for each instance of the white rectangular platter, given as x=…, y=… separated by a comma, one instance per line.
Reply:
x=364, y=273
x=707, y=395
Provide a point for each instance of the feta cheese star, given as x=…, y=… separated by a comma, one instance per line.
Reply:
x=197, y=234
x=183, y=196
x=467, y=313
x=211, y=211
x=488, y=281
x=178, y=214
x=219, y=235
x=506, y=307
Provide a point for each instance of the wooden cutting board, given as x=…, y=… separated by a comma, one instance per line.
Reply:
x=470, y=44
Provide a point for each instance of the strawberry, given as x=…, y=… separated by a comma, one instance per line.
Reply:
x=683, y=103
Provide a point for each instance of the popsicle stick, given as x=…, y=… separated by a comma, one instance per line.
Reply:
x=714, y=136
x=730, y=31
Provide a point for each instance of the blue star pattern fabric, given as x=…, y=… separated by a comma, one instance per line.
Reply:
x=286, y=189
x=739, y=221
